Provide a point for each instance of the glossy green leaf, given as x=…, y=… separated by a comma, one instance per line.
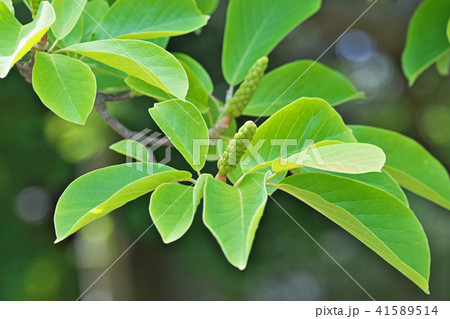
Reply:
x=9, y=4
x=99, y=192
x=207, y=6
x=426, y=40
x=17, y=39
x=93, y=14
x=132, y=149
x=67, y=14
x=232, y=214
x=140, y=59
x=65, y=85
x=288, y=130
x=304, y=78
x=145, y=19
x=184, y=125
x=350, y=158
x=198, y=69
x=379, y=220
x=409, y=163
x=384, y=181
x=172, y=210
x=254, y=27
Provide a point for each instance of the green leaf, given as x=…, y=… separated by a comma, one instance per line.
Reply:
x=384, y=181
x=379, y=220
x=232, y=214
x=140, y=59
x=145, y=19
x=197, y=93
x=443, y=64
x=99, y=192
x=426, y=41
x=9, y=4
x=172, y=210
x=409, y=163
x=109, y=80
x=16, y=40
x=131, y=149
x=67, y=14
x=199, y=188
x=184, y=125
x=350, y=158
x=304, y=78
x=144, y=88
x=93, y=13
x=162, y=42
x=448, y=30
x=254, y=27
x=207, y=6
x=65, y=85
x=198, y=69
x=288, y=130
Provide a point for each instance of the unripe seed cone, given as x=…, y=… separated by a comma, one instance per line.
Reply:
x=244, y=93
x=236, y=148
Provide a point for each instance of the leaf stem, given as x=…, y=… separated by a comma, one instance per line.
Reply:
x=53, y=46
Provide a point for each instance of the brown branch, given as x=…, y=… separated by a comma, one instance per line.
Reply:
x=116, y=125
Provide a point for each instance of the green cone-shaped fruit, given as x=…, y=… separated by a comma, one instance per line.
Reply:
x=236, y=148
x=239, y=101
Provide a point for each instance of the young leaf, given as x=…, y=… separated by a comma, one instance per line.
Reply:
x=409, y=163
x=140, y=59
x=254, y=27
x=185, y=127
x=379, y=220
x=65, y=85
x=172, y=210
x=93, y=14
x=198, y=69
x=67, y=14
x=426, y=41
x=304, y=78
x=16, y=39
x=350, y=158
x=232, y=214
x=99, y=192
x=131, y=149
x=287, y=131
x=145, y=19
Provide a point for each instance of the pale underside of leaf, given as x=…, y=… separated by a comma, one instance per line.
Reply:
x=99, y=192
x=379, y=220
x=16, y=39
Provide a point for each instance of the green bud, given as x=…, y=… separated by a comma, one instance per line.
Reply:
x=244, y=93
x=34, y=7
x=236, y=148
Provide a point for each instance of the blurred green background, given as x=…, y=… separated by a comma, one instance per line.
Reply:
x=41, y=154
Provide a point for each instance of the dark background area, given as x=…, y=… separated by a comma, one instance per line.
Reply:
x=41, y=154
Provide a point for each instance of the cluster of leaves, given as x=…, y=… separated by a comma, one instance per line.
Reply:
x=356, y=183
x=428, y=40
